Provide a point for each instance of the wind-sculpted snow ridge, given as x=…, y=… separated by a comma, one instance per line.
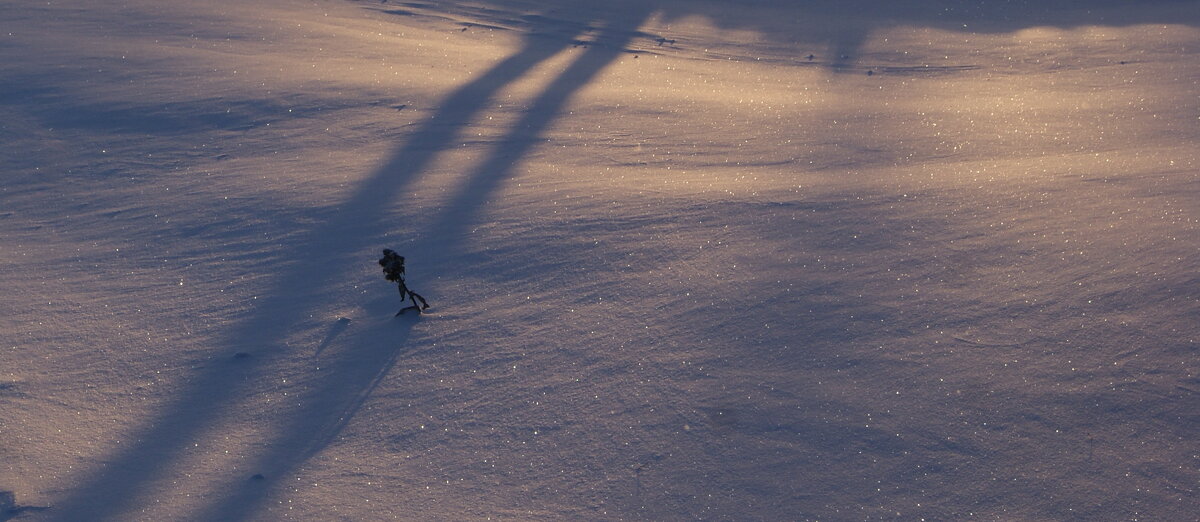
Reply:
x=752, y=260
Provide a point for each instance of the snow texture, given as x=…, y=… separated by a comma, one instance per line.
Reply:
x=747, y=260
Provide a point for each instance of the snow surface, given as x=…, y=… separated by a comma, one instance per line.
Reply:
x=733, y=260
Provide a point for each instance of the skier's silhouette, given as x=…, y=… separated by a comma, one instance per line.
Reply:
x=393, y=269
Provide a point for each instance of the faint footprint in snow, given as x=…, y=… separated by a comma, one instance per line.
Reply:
x=722, y=417
x=10, y=509
x=9, y=389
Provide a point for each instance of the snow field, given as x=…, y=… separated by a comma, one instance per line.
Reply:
x=698, y=278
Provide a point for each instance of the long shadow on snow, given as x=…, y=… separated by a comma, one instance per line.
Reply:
x=335, y=396
x=342, y=388
x=296, y=445
x=354, y=373
x=836, y=31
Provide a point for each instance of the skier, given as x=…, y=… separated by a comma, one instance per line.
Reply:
x=393, y=269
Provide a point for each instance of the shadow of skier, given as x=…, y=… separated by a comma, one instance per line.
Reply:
x=350, y=376
x=297, y=443
x=609, y=43
x=325, y=410
x=338, y=327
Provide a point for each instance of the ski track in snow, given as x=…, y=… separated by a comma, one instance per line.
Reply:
x=687, y=260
